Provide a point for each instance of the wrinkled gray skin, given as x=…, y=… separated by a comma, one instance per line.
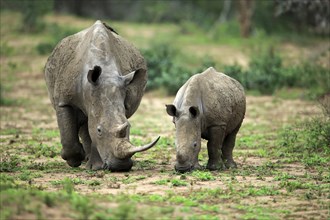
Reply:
x=210, y=105
x=96, y=80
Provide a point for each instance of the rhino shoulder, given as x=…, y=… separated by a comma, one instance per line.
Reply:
x=57, y=64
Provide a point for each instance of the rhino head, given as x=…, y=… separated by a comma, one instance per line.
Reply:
x=108, y=109
x=188, y=136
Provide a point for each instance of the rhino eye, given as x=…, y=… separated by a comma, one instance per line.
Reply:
x=99, y=130
x=195, y=144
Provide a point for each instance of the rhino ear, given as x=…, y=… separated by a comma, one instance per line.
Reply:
x=194, y=111
x=135, y=85
x=131, y=77
x=171, y=110
x=94, y=74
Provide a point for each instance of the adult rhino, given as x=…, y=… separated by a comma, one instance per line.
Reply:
x=96, y=80
x=210, y=105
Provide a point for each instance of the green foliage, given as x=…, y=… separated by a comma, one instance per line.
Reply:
x=186, y=201
x=284, y=176
x=162, y=182
x=68, y=185
x=203, y=175
x=75, y=181
x=6, y=181
x=56, y=33
x=259, y=191
x=266, y=74
x=32, y=11
x=27, y=175
x=227, y=33
x=40, y=149
x=164, y=69
x=177, y=182
x=6, y=50
x=167, y=68
x=309, y=141
x=132, y=179
x=9, y=163
x=4, y=101
x=200, y=12
x=252, y=211
x=125, y=211
x=263, y=74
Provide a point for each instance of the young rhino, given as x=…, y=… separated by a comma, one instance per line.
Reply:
x=210, y=105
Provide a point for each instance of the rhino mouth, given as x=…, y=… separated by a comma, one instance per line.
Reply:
x=183, y=168
x=118, y=165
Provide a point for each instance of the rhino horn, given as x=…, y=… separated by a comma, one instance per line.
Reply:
x=125, y=149
x=136, y=149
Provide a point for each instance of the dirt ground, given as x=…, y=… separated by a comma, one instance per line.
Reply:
x=255, y=187
x=151, y=120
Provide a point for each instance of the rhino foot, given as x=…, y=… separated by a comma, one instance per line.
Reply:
x=74, y=156
x=197, y=166
x=94, y=162
x=96, y=165
x=219, y=165
x=230, y=164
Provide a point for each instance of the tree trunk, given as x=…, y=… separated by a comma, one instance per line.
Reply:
x=245, y=15
x=225, y=11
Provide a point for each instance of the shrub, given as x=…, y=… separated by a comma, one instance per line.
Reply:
x=162, y=66
x=45, y=47
x=314, y=77
x=308, y=140
x=266, y=74
x=263, y=74
x=6, y=50
x=167, y=68
x=57, y=34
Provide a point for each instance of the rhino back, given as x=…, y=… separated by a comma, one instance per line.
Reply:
x=130, y=59
x=58, y=62
x=221, y=99
x=68, y=62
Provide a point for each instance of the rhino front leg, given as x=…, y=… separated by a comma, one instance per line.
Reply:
x=227, y=149
x=72, y=150
x=86, y=140
x=93, y=158
x=214, y=145
x=94, y=162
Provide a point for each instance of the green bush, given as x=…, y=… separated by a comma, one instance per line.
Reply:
x=312, y=76
x=309, y=141
x=163, y=68
x=45, y=47
x=167, y=68
x=266, y=74
x=57, y=33
x=6, y=50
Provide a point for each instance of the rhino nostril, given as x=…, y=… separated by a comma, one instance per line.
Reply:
x=99, y=130
x=181, y=158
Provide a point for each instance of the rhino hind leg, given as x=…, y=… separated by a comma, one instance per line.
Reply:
x=228, y=147
x=214, y=145
x=72, y=149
